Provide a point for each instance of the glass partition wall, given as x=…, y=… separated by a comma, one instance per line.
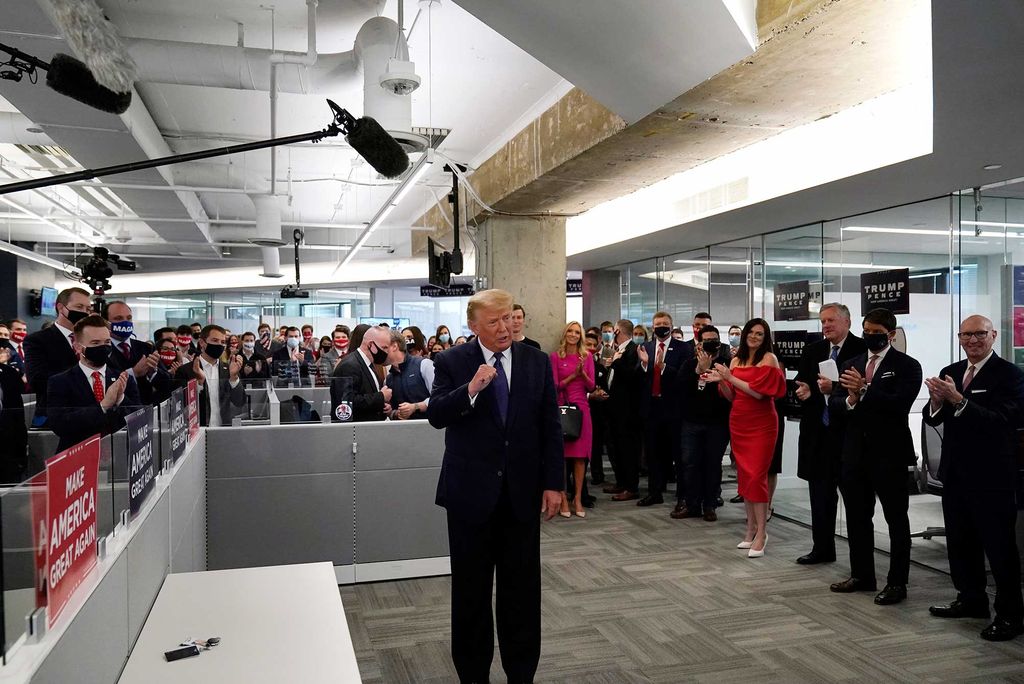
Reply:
x=959, y=252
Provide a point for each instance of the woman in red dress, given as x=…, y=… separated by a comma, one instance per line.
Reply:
x=752, y=382
x=573, y=367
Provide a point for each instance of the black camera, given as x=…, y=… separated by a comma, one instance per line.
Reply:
x=97, y=271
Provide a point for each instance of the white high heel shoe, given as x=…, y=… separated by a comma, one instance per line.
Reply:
x=745, y=544
x=758, y=554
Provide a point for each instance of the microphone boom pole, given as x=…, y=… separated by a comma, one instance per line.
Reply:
x=342, y=123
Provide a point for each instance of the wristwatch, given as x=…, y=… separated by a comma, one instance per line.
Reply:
x=961, y=405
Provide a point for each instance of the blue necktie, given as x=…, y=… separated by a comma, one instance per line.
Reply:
x=501, y=388
x=833, y=356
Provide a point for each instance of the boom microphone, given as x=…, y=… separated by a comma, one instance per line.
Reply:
x=72, y=78
x=372, y=142
x=94, y=39
x=378, y=148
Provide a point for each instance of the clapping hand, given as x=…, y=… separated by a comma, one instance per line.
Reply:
x=405, y=409
x=197, y=370
x=642, y=353
x=234, y=366
x=803, y=390
x=115, y=392
x=853, y=382
x=723, y=372
x=146, y=365
x=943, y=389
x=703, y=360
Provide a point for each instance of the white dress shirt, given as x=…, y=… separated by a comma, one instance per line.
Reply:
x=977, y=369
x=103, y=378
x=67, y=333
x=506, y=364
x=611, y=371
x=212, y=387
x=369, y=364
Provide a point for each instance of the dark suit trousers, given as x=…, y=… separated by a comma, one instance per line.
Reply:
x=626, y=435
x=860, y=483
x=661, y=444
x=601, y=434
x=702, y=452
x=823, y=492
x=478, y=549
x=980, y=524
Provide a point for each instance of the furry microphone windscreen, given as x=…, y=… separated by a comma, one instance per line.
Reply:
x=70, y=77
x=378, y=148
x=93, y=38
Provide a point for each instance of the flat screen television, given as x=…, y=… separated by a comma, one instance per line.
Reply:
x=48, y=301
x=439, y=269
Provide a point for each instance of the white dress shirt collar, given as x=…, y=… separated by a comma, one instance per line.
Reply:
x=506, y=360
x=978, y=366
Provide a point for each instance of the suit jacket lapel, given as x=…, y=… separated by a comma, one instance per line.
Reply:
x=518, y=378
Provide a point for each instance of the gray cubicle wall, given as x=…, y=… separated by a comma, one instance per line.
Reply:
x=168, y=536
x=345, y=493
x=279, y=494
x=396, y=469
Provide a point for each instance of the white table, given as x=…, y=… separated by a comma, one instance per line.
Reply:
x=277, y=624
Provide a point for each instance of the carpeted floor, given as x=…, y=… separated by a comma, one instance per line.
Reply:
x=630, y=595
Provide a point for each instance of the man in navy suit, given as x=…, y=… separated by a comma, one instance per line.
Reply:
x=131, y=354
x=503, y=462
x=51, y=350
x=881, y=386
x=660, y=360
x=821, y=442
x=90, y=397
x=979, y=402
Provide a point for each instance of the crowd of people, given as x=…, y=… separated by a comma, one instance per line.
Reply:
x=650, y=400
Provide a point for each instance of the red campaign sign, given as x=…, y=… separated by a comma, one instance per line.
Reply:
x=70, y=522
x=192, y=398
x=37, y=504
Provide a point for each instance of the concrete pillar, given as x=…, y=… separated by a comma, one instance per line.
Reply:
x=526, y=256
x=601, y=301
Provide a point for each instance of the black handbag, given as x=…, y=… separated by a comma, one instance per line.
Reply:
x=572, y=421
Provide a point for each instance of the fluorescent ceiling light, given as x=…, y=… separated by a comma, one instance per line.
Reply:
x=78, y=237
x=418, y=171
x=791, y=264
x=992, y=224
x=32, y=256
x=896, y=231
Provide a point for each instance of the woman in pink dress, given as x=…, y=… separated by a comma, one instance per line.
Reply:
x=573, y=367
x=752, y=382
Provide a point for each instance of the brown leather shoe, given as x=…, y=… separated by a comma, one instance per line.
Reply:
x=853, y=584
x=624, y=496
x=710, y=516
x=612, y=489
x=681, y=511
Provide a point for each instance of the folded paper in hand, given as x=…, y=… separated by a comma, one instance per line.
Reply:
x=829, y=369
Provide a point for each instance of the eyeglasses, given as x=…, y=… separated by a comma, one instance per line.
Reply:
x=977, y=334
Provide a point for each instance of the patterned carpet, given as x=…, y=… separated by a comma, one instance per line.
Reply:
x=633, y=596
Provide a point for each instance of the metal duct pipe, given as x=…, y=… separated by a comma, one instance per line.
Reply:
x=268, y=233
x=271, y=263
x=378, y=41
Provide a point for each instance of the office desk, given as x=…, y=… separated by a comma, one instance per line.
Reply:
x=281, y=623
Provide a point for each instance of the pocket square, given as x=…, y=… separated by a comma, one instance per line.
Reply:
x=889, y=374
x=978, y=391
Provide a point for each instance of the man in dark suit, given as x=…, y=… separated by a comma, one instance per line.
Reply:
x=254, y=364
x=130, y=354
x=598, y=401
x=14, y=444
x=221, y=394
x=821, y=442
x=293, y=356
x=51, y=350
x=660, y=360
x=624, y=380
x=881, y=386
x=91, y=397
x=358, y=388
x=979, y=402
x=503, y=461
x=700, y=319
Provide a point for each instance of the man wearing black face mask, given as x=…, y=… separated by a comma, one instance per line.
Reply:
x=52, y=350
x=221, y=394
x=90, y=397
x=880, y=388
x=660, y=360
x=359, y=378
x=705, y=429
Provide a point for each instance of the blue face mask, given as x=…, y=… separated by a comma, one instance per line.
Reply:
x=608, y=337
x=293, y=342
x=122, y=330
x=443, y=338
x=639, y=339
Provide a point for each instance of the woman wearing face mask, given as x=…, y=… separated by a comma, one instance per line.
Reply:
x=752, y=382
x=436, y=349
x=414, y=342
x=639, y=334
x=443, y=336
x=573, y=368
x=324, y=361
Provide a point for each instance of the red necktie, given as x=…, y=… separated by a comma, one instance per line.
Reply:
x=97, y=386
x=126, y=349
x=968, y=377
x=871, y=368
x=658, y=361
x=21, y=353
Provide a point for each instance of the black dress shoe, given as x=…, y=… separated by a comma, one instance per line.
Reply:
x=813, y=558
x=959, y=609
x=1002, y=629
x=589, y=501
x=719, y=503
x=736, y=499
x=650, y=500
x=853, y=584
x=891, y=594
